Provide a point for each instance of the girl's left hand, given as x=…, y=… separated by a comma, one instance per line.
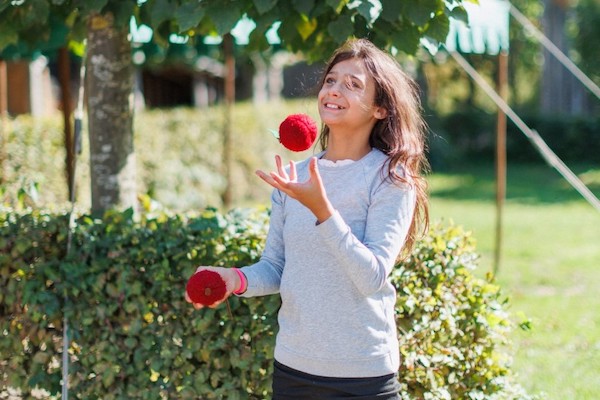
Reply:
x=310, y=193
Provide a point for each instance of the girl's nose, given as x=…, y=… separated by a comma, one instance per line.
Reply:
x=334, y=90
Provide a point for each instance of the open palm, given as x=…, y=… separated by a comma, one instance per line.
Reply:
x=311, y=193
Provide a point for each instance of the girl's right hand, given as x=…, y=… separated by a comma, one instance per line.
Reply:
x=310, y=193
x=232, y=283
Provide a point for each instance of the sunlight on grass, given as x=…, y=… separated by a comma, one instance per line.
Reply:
x=549, y=269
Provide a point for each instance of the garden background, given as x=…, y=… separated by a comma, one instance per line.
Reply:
x=550, y=253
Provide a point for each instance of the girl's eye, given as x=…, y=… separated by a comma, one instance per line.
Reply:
x=352, y=84
x=329, y=80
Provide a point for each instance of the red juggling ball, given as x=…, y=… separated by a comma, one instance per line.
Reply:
x=206, y=287
x=297, y=132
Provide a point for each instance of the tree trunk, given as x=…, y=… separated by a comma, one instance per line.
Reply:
x=561, y=92
x=109, y=83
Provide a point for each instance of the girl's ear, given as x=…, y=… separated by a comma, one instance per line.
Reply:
x=380, y=112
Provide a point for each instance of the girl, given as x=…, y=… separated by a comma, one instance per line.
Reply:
x=339, y=221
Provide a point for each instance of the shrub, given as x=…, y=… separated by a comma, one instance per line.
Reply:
x=453, y=327
x=133, y=336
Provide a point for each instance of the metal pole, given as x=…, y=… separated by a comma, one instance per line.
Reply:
x=228, y=50
x=500, y=156
x=534, y=137
x=64, y=77
x=76, y=151
x=3, y=117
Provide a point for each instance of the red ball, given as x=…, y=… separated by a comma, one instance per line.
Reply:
x=297, y=132
x=206, y=287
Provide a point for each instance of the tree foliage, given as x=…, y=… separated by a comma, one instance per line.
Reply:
x=313, y=27
x=586, y=31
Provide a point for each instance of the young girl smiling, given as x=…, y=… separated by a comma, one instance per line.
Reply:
x=339, y=222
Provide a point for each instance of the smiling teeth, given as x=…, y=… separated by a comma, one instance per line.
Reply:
x=336, y=107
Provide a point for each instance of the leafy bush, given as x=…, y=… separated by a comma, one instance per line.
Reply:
x=133, y=336
x=453, y=327
x=188, y=173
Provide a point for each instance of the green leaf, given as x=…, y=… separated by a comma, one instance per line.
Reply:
x=306, y=27
x=459, y=13
x=225, y=18
x=263, y=6
x=7, y=38
x=189, y=15
x=303, y=6
x=341, y=29
x=438, y=27
x=123, y=11
x=364, y=9
x=391, y=10
x=161, y=11
x=337, y=5
x=421, y=11
x=406, y=40
x=257, y=41
x=108, y=377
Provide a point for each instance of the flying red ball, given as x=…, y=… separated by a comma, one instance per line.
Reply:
x=297, y=132
x=206, y=287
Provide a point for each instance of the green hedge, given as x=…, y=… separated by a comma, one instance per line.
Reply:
x=133, y=336
x=190, y=173
x=472, y=135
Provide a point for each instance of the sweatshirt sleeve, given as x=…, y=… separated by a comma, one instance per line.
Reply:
x=264, y=277
x=368, y=263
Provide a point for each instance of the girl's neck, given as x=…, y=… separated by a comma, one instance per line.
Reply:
x=346, y=149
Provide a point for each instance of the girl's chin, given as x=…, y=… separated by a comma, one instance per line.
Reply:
x=329, y=117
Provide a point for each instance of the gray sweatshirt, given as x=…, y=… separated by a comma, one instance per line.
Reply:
x=337, y=312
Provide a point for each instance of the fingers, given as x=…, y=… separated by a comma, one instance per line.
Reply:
x=293, y=175
x=228, y=287
x=313, y=170
x=280, y=170
x=265, y=177
x=279, y=182
x=280, y=178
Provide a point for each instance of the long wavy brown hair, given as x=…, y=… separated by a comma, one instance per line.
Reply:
x=401, y=134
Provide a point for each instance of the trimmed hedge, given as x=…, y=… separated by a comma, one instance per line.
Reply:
x=190, y=172
x=133, y=336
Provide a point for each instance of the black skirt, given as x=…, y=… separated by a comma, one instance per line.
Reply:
x=290, y=384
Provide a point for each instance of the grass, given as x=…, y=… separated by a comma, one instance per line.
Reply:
x=549, y=267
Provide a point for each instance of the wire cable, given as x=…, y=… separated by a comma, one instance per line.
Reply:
x=551, y=47
x=531, y=134
x=77, y=150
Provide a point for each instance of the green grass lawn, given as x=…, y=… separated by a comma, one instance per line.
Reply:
x=549, y=267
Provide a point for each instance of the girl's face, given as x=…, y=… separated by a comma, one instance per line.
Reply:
x=347, y=97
